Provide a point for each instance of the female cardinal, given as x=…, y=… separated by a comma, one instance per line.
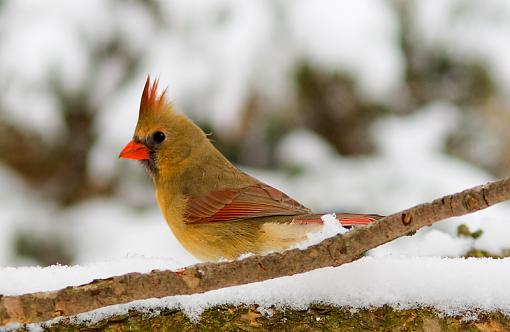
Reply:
x=214, y=209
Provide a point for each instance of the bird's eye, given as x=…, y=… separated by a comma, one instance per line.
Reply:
x=158, y=136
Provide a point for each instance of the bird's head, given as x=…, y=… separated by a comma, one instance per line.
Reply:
x=164, y=140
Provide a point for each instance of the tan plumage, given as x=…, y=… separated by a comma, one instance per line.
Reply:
x=214, y=209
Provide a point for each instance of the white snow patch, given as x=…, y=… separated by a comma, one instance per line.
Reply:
x=471, y=31
x=426, y=242
x=452, y=286
x=359, y=38
x=29, y=279
x=331, y=227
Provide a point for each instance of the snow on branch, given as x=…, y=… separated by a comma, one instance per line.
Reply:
x=335, y=251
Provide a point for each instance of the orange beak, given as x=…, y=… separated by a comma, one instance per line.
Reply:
x=136, y=151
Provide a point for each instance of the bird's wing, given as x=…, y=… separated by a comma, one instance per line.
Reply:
x=258, y=200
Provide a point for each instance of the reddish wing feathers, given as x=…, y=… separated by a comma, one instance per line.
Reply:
x=235, y=204
x=259, y=201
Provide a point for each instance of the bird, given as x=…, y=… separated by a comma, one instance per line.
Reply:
x=215, y=210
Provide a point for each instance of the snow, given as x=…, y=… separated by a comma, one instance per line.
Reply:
x=426, y=242
x=216, y=52
x=356, y=37
x=29, y=279
x=452, y=286
x=331, y=228
x=473, y=31
x=140, y=234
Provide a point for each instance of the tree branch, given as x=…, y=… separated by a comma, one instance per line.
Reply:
x=200, y=278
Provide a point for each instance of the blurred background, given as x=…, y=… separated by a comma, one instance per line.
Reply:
x=358, y=106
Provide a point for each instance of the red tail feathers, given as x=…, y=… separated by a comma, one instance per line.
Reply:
x=349, y=219
x=345, y=219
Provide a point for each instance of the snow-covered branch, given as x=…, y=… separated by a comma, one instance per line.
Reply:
x=199, y=278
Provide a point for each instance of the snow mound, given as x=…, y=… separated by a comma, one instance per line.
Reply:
x=450, y=285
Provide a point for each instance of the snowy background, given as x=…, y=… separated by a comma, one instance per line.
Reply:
x=368, y=106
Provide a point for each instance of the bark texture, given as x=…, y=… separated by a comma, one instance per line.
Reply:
x=37, y=307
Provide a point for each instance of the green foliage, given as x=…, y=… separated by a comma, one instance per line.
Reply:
x=463, y=231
